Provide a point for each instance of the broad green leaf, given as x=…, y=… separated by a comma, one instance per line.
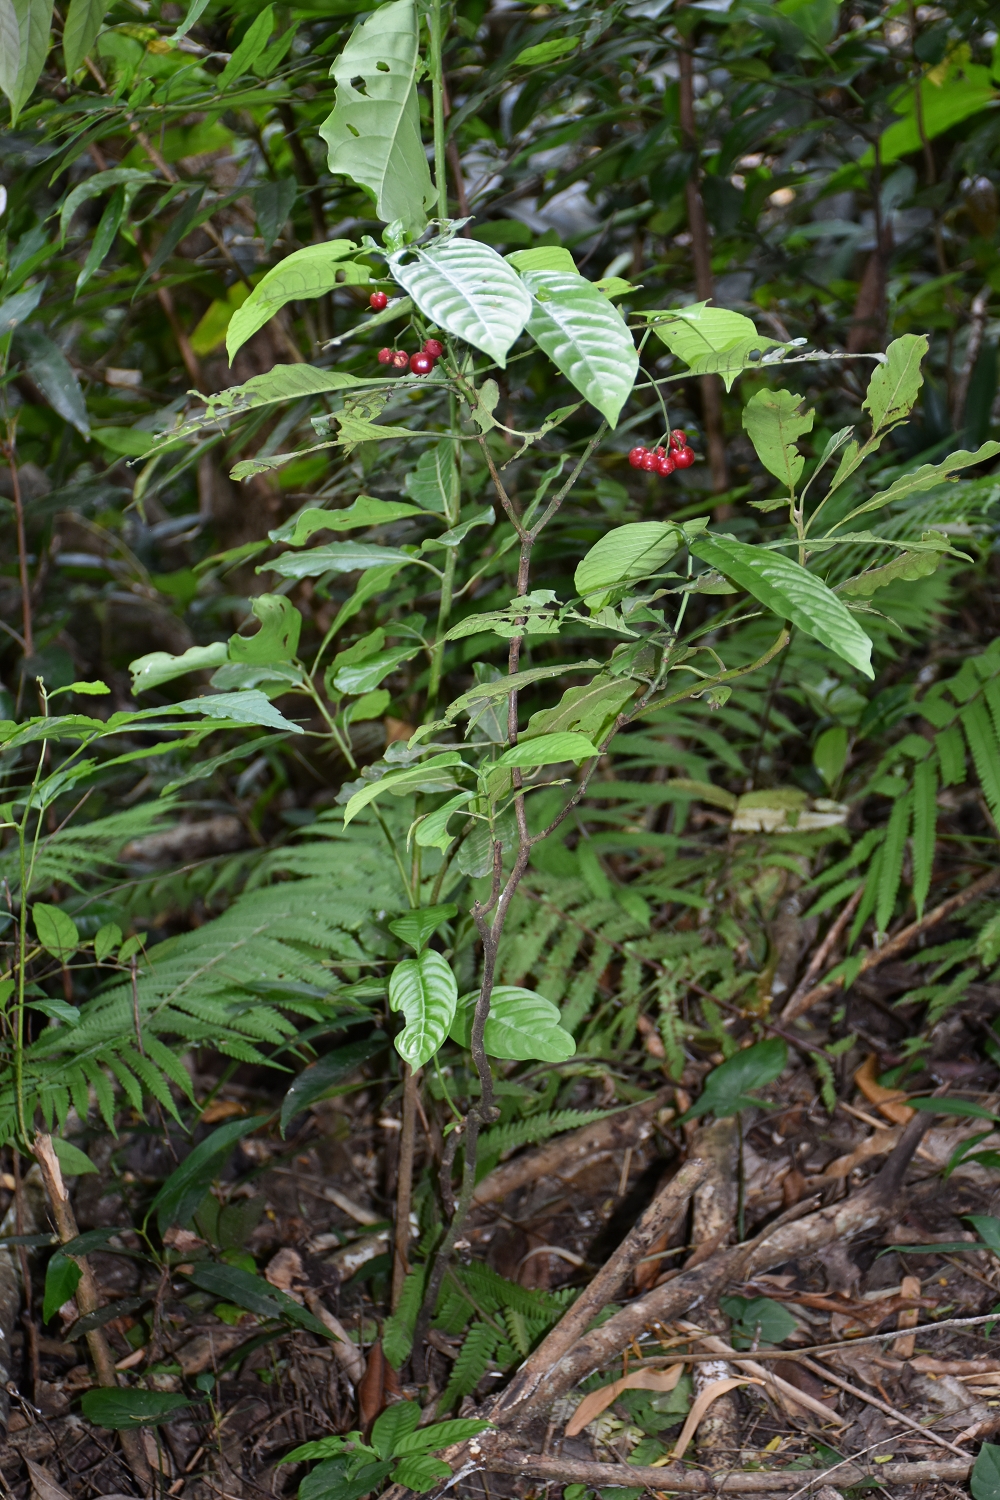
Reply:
x=483, y=694
x=436, y=768
x=254, y=1293
x=56, y=930
x=33, y=19
x=421, y=1473
x=468, y=289
x=457, y=534
x=273, y=202
x=546, y=52
x=365, y=511
x=122, y=1409
x=434, y=484
x=282, y=383
x=309, y=272
x=906, y=568
x=14, y=310
x=927, y=477
x=758, y=1319
x=83, y=21
x=62, y=1277
x=624, y=555
x=278, y=636
x=73, y=1161
x=431, y=832
x=441, y=1435
x=249, y=707
x=543, y=258
x=894, y=385
x=584, y=336
x=336, y=557
x=355, y=429
x=944, y=103
x=159, y=667
x=56, y=1010
x=988, y=1229
x=830, y=753
x=106, y=940
x=395, y=1423
x=416, y=928
x=692, y=332
x=726, y=1088
x=728, y=363
x=250, y=48
x=526, y=614
x=316, y=1081
x=591, y=709
x=52, y=373
x=365, y=675
x=187, y=1184
x=775, y=421
x=424, y=989
x=792, y=593
x=10, y=48
x=985, y=1478
x=522, y=1026
x=548, y=750
x=373, y=134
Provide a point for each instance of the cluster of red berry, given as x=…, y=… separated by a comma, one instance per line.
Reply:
x=663, y=460
x=421, y=363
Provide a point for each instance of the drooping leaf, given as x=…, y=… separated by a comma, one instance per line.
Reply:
x=624, y=555
x=254, y=1293
x=159, y=666
x=278, y=636
x=273, y=202
x=187, y=1184
x=468, y=289
x=928, y=477
x=62, y=1277
x=104, y=238
x=373, y=133
x=549, y=750
x=14, y=310
x=426, y=992
x=416, y=928
x=54, y=376
x=433, y=484
x=73, y=1161
x=522, y=1025
x=316, y=1081
x=792, y=593
x=431, y=832
x=584, y=336
x=309, y=272
x=365, y=511
x=336, y=557
x=894, y=385
x=122, y=1409
x=906, y=568
x=775, y=421
x=433, y=774
x=727, y=1087
x=56, y=930
x=20, y=69
x=83, y=21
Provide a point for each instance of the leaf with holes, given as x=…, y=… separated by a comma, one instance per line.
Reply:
x=424, y=989
x=310, y=272
x=792, y=593
x=775, y=421
x=895, y=385
x=373, y=134
x=468, y=289
x=584, y=336
x=278, y=636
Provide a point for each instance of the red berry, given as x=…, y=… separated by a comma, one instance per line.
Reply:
x=684, y=457
x=385, y=356
x=678, y=439
x=434, y=348
x=421, y=363
x=400, y=359
x=667, y=464
x=636, y=457
x=649, y=462
x=378, y=300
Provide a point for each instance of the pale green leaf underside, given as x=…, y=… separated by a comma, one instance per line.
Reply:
x=691, y=332
x=585, y=337
x=635, y=551
x=310, y=272
x=374, y=136
x=792, y=593
x=468, y=289
x=424, y=989
x=549, y=750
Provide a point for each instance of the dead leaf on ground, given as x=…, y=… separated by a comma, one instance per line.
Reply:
x=702, y=1403
x=886, y=1100
x=640, y=1380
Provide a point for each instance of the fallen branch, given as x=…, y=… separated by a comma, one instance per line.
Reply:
x=799, y=1004
x=882, y=1406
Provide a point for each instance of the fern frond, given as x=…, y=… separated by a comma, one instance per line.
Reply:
x=493, y=1143
x=471, y=1365
x=891, y=863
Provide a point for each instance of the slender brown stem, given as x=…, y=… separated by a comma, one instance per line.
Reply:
x=27, y=633
x=404, y=1186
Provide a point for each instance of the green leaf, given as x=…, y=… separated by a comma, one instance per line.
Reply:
x=123, y=1409
x=906, y=568
x=830, y=754
x=522, y=1025
x=546, y=52
x=23, y=51
x=62, y=1277
x=437, y=769
x=728, y=363
x=367, y=674
x=14, y=310
x=927, y=477
x=758, y=1318
x=774, y=421
x=56, y=931
x=187, y=1184
x=457, y=534
x=441, y=1435
x=985, y=1479
x=282, y=383
x=726, y=1088
x=398, y=1330
x=365, y=511
x=250, y=48
x=232, y=1284
x=591, y=709
x=431, y=832
x=434, y=483
x=310, y=272
x=83, y=22
x=52, y=373
x=695, y=331
x=988, y=1229
x=159, y=666
x=893, y=852
x=278, y=636
x=74, y=1162
x=468, y=289
x=336, y=557
x=549, y=750
x=373, y=133
x=416, y=928
x=623, y=555
x=894, y=386
x=421, y=1473
x=100, y=182
x=478, y=698
x=792, y=593
x=249, y=707
x=106, y=940
x=966, y=1108
x=316, y=1081
x=396, y=1422
x=584, y=336
x=424, y=989
x=272, y=201
x=543, y=258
